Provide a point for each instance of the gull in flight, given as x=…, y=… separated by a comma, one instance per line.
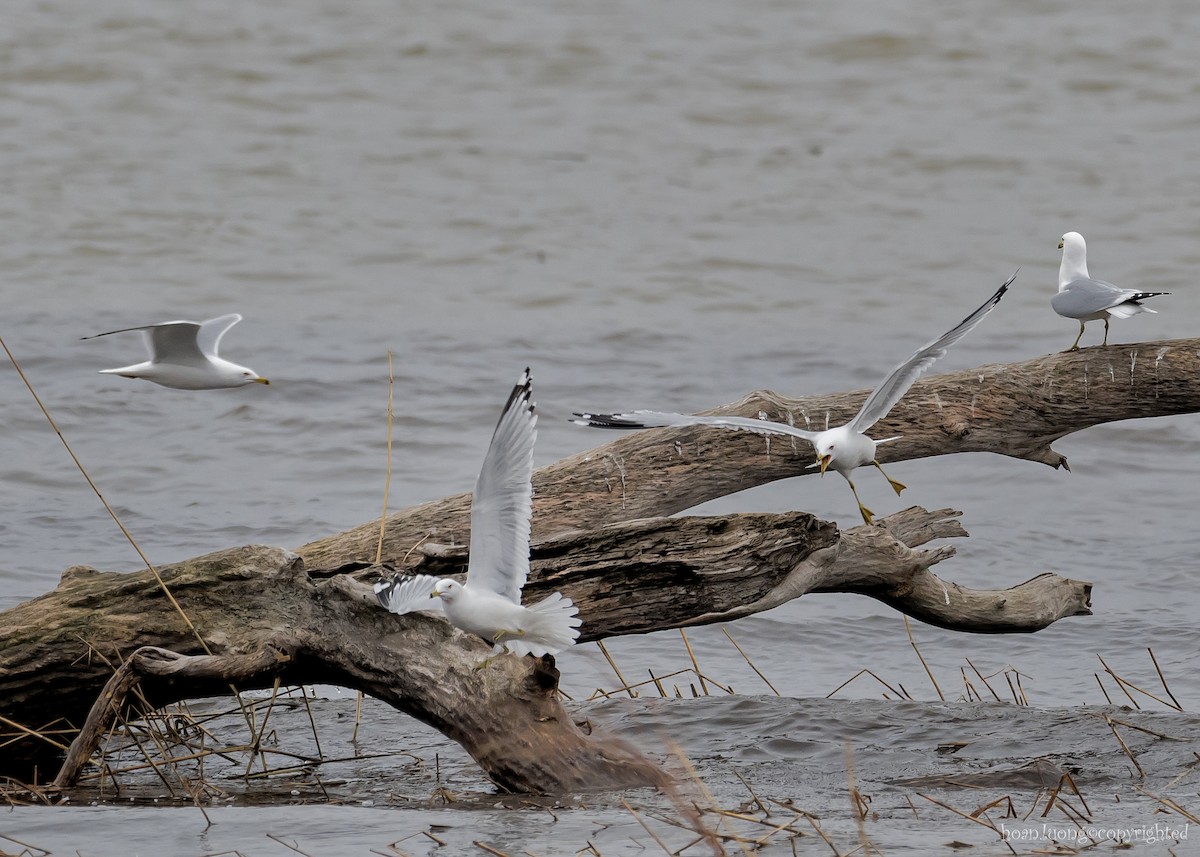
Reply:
x=842, y=448
x=1080, y=297
x=183, y=355
x=488, y=603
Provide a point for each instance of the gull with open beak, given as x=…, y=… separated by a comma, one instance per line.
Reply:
x=842, y=448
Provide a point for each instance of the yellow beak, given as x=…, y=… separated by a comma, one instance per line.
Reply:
x=824, y=462
x=435, y=594
x=1060, y=245
x=262, y=381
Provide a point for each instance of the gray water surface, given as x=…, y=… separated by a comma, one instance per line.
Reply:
x=652, y=205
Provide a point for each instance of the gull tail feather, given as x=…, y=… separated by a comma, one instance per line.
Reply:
x=550, y=626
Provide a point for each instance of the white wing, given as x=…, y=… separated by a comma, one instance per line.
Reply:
x=211, y=331
x=659, y=419
x=408, y=593
x=898, y=382
x=503, y=501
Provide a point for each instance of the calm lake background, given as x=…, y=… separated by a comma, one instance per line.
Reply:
x=652, y=205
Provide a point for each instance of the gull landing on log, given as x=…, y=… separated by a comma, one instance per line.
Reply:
x=488, y=604
x=842, y=448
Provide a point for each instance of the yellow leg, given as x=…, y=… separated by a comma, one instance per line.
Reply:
x=1075, y=344
x=498, y=641
x=867, y=515
x=896, y=486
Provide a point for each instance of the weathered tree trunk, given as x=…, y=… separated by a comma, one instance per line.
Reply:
x=1015, y=409
x=268, y=614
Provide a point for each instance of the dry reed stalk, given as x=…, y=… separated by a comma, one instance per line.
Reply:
x=1121, y=684
x=1162, y=679
x=656, y=680
x=645, y=827
x=256, y=744
x=695, y=666
x=1011, y=689
x=762, y=807
x=1124, y=746
x=1169, y=804
x=691, y=811
x=626, y=685
x=1020, y=688
x=312, y=722
x=872, y=675
x=295, y=848
x=658, y=684
x=972, y=694
x=96, y=490
x=387, y=481
x=41, y=852
x=33, y=733
x=1067, y=779
x=987, y=822
x=1146, y=729
x=108, y=508
x=1000, y=801
x=429, y=833
x=858, y=802
x=749, y=662
x=483, y=846
x=983, y=679
x=1102, y=690
x=928, y=671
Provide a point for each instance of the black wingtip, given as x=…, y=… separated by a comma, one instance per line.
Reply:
x=384, y=587
x=608, y=421
x=1004, y=288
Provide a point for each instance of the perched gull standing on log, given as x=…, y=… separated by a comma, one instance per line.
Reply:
x=1080, y=297
x=183, y=355
x=843, y=447
x=488, y=604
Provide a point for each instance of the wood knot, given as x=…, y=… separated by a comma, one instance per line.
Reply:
x=544, y=675
x=957, y=429
x=75, y=572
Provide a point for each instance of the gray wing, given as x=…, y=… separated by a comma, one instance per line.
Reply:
x=659, y=419
x=1084, y=297
x=900, y=379
x=211, y=331
x=174, y=342
x=408, y=593
x=149, y=330
x=503, y=500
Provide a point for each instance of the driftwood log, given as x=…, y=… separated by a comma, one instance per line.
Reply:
x=266, y=614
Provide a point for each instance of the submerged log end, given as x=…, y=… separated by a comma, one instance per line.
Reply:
x=1022, y=609
x=551, y=753
x=1043, y=454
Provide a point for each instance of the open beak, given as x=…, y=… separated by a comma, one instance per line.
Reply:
x=262, y=381
x=824, y=462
